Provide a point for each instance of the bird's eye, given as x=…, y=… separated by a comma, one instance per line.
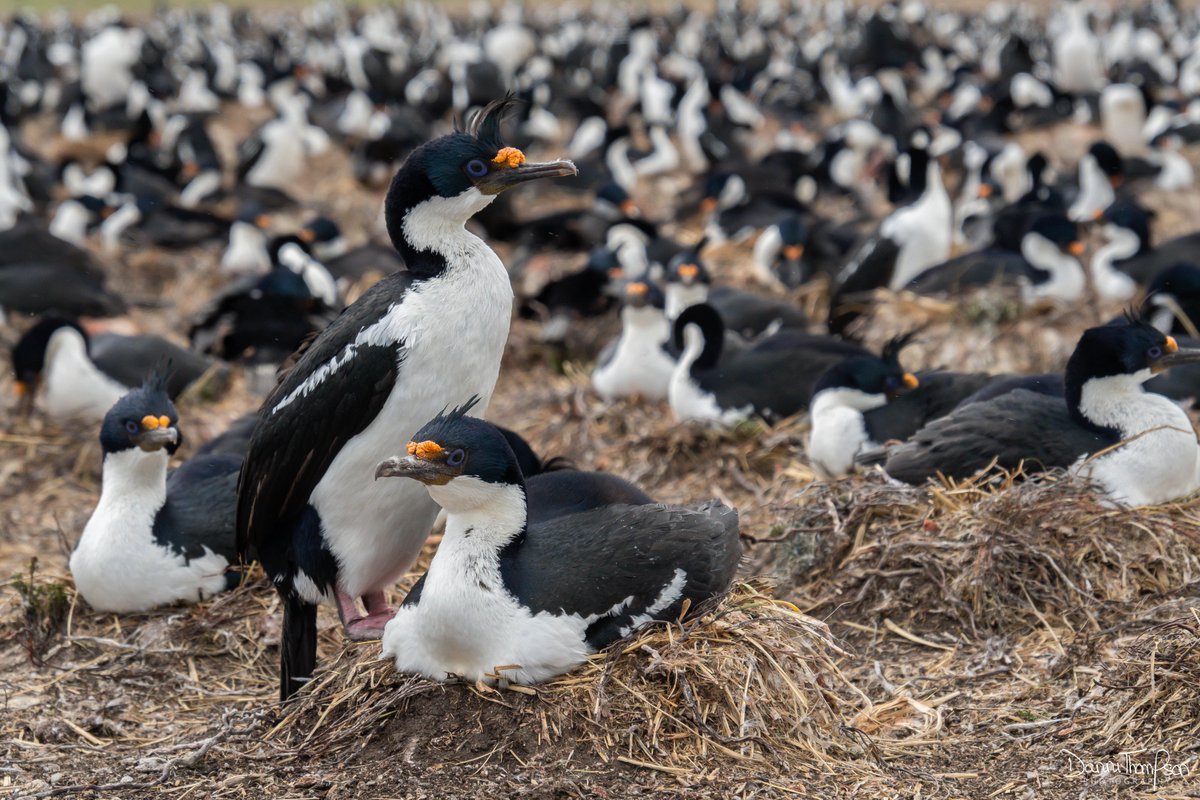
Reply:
x=891, y=382
x=131, y=426
x=456, y=457
x=1155, y=352
x=476, y=168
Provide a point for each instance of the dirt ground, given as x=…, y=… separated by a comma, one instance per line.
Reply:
x=986, y=641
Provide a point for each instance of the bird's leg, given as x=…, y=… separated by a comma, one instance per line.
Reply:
x=358, y=627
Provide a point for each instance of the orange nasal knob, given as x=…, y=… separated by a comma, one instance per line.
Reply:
x=426, y=449
x=1171, y=346
x=509, y=156
x=150, y=422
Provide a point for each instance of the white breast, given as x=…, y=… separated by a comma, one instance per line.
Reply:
x=247, y=250
x=467, y=623
x=454, y=327
x=639, y=365
x=839, y=432
x=117, y=565
x=75, y=387
x=1161, y=458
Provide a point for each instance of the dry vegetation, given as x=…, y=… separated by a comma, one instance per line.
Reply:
x=994, y=639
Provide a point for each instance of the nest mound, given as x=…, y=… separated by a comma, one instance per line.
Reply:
x=1149, y=692
x=985, y=557
x=745, y=689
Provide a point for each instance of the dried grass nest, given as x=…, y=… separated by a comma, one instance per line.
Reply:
x=747, y=684
x=987, y=556
x=1150, y=691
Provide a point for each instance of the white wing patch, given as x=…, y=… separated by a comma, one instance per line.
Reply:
x=369, y=335
x=669, y=594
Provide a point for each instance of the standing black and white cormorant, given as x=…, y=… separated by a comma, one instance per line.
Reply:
x=1152, y=454
x=155, y=539
x=308, y=509
x=536, y=599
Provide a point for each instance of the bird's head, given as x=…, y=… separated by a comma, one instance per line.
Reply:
x=320, y=230
x=1059, y=231
x=253, y=214
x=144, y=418
x=643, y=294
x=1130, y=347
x=878, y=379
x=464, y=462
x=688, y=269
x=462, y=172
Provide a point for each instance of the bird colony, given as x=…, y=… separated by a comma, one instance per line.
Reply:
x=755, y=400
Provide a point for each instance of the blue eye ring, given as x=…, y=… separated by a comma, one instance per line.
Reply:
x=132, y=426
x=1155, y=352
x=891, y=381
x=456, y=457
x=476, y=168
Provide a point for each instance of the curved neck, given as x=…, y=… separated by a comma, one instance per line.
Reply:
x=133, y=475
x=1108, y=406
x=431, y=235
x=1111, y=283
x=481, y=516
x=1066, y=281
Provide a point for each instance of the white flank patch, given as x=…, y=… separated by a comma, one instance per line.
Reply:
x=669, y=594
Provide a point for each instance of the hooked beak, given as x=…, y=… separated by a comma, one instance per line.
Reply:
x=499, y=180
x=157, y=439
x=1174, y=356
x=434, y=473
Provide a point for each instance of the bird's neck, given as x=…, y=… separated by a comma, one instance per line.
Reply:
x=1095, y=189
x=1066, y=280
x=1111, y=406
x=681, y=296
x=845, y=397
x=1111, y=283
x=134, y=477
x=432, y=235
x=490, y=518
